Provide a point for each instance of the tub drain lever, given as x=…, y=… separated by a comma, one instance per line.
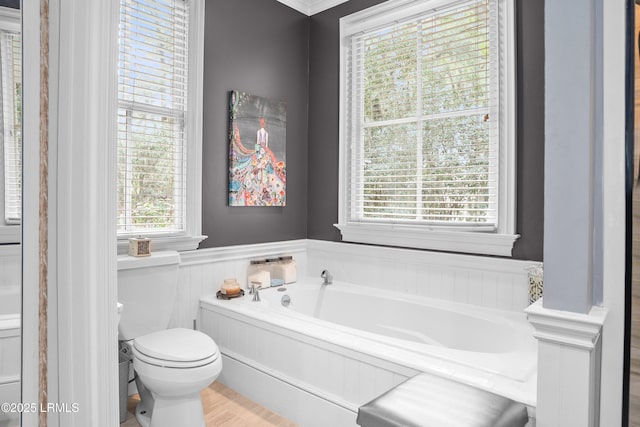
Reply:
x=286, y=300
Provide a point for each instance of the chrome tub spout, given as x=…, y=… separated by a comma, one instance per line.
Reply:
x=328, y=277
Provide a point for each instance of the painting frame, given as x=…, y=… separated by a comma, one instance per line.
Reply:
x=257, y=150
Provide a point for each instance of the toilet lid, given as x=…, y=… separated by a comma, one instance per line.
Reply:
x=177, y=345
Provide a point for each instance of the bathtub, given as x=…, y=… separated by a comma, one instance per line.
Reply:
x=336, y=347
x=9, y=351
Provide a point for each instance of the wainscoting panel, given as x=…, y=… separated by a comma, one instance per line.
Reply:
x=10, y=266
x=335, y=376
x=317, y=375
x=9, y=349
x=487, y=281
x=204, y=270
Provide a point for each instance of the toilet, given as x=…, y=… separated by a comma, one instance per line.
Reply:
x=172, y=365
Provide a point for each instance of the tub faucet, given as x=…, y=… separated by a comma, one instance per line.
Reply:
x=256, y=293
x=328, y=277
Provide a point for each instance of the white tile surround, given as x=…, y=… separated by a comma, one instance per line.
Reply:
x=490, y=282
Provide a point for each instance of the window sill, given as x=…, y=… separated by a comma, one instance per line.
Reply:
x=173, y=243
x=408, y=236
x=10, y=234
x=156, y=259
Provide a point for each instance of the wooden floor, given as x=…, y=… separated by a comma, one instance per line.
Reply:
x=634, y=383
x=634, y=380
x=224, y=407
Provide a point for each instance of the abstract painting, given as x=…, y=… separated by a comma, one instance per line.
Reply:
x=257, y=150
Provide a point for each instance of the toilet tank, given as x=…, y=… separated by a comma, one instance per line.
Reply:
x=147, y=288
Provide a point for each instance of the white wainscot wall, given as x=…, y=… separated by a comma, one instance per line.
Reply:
x=340, y=380
x=10, y=301
x=10, y=289
x=491, y=282
x=11, y=275
x=313, y=382
x=486, y=281
x=203, y=271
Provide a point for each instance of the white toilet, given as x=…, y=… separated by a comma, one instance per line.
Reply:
x=173, y=365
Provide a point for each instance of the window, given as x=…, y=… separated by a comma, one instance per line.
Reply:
x=11, y=121
x=427, y=141
x=11, y=64
x=159, y=121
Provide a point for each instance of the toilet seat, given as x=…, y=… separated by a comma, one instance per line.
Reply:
x=176, y=348
x=172, y=363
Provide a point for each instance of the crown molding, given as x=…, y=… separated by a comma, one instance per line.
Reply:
x=311, y=7
x=317, y=6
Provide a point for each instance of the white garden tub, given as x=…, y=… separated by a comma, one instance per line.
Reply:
x=9, y=351
x=335, y=347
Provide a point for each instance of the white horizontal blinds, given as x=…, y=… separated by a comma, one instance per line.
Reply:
x=423, y=119
x=151, y=116
x=11, y=61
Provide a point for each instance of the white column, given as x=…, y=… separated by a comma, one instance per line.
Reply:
x=569, y=348
x=584, y=78
x=570, y=97
x=30, y=200
x=83, y=349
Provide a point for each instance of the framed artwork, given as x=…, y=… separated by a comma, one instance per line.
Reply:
x=257, y=150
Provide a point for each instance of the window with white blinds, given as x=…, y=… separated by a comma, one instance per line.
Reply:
x=422, y=127
x=152, y=110
x=11, y=74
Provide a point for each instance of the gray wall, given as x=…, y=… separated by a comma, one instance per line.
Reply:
x=261, y=47
x=266, y=48
x=323, y=124
x=530, y=125
x=14, y=4
x=324, y=83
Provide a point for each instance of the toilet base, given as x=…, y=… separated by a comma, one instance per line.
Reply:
x=143, y=416
x=184, y=412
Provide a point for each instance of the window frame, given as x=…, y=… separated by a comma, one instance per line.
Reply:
x=424, y=236
x=10, y=19
x=190, y=238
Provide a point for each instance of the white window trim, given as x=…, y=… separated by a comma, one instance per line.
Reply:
x=501, y=241
x=192, y=236
x=9, y=20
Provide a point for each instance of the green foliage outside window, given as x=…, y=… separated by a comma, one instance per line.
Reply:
x=426, y=119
